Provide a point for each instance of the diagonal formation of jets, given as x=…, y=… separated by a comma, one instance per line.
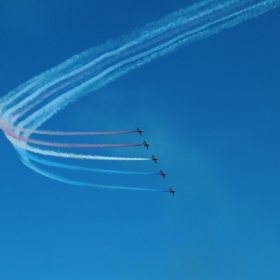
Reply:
x=155, y=159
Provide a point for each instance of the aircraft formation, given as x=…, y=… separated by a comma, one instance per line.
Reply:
x=29, y=154
x=86, y=72
x=155, y=159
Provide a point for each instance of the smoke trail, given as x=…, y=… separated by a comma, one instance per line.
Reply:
x=4, y=125
x=67, y=155
x=78, y=168
x=51, y=91
x=83, y=184
x=9, y=98
x=35, y=83
x=157, y=39
x=69, y=133
x=106, y=51
x=69, y=145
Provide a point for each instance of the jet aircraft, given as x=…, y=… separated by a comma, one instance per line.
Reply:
x=172, y=191
x=163, y=174
x=139, y=131
x=146, y=144
x=154, y=159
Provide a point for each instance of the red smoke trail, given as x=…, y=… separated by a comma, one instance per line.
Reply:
x=63, y=133
x=67, y=133
x=68, y=145
x=42, y=98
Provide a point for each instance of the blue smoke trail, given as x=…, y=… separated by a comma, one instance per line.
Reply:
x=30, y=165
x=78, y=168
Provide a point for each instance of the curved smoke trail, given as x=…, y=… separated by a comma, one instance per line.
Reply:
x=68, y=145
x=78, y=168
x=180, y=28
x=78, y=183
x=31, y=104
x=26, y=147
x=5, y=126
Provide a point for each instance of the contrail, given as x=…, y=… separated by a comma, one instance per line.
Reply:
x=79, y=168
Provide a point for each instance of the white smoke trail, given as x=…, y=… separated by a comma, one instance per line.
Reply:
x=26, y=147
x=79, y=168
x=181, y=28
x=87, y=59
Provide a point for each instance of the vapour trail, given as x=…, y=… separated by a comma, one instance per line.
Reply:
x=79, y=168
x=25, y=146
x=78, y=183
x=160, y=38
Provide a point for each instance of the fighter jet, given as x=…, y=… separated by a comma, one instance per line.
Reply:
x=172, y=191
x=146, y=144
x=139, y=130
x=154, y=159
x=163, y=174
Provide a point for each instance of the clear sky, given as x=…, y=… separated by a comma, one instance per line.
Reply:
x=211, y=114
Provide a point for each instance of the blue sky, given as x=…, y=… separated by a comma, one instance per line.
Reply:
x=211, y=113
